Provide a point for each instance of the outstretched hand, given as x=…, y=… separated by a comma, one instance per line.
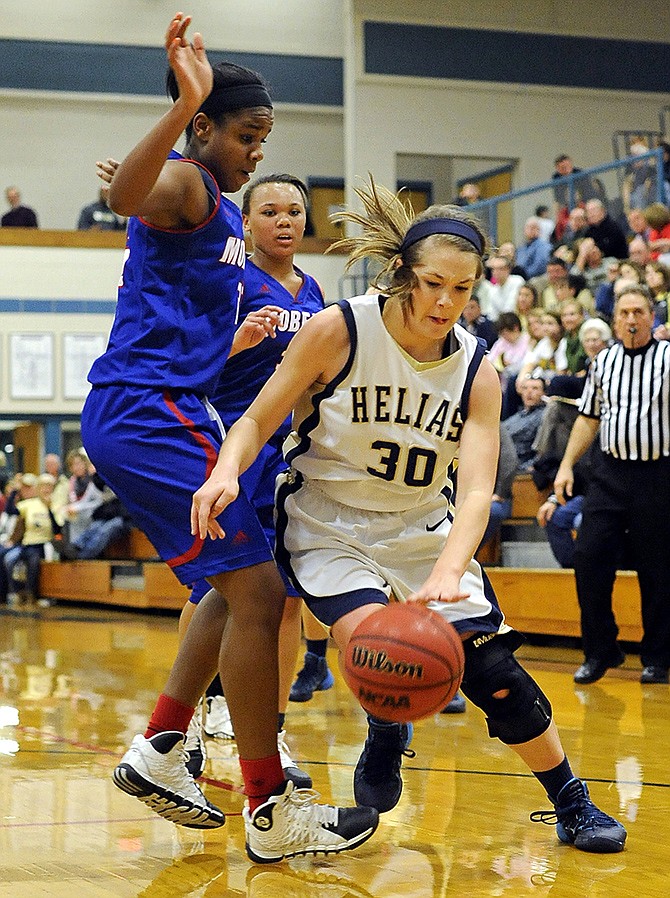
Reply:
x=188, y=61
x=216, y=493
x=255, y=328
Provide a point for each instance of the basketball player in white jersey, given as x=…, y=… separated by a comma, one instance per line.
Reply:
x=387, y=392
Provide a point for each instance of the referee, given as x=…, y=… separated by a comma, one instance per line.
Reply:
x=627, y=397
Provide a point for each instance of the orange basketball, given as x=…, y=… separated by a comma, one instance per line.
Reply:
x=404, y=662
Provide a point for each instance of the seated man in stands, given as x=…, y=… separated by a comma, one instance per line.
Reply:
x=476, y=323
x=523, y=425
x=593, y=264
x=109, y=522
x=534, y=252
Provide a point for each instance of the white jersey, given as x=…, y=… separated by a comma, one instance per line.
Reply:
x=384, y=434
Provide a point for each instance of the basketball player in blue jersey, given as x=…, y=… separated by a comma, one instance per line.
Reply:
x=153, y=437
x=276, y=291
x=389, y=391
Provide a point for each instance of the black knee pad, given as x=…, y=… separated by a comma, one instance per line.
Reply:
x=490, y=666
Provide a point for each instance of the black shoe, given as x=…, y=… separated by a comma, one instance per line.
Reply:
x=595, y=668
x=580, y=823
x=377, y=779
x=315, y=676
x=455, y=706
x=652, y=674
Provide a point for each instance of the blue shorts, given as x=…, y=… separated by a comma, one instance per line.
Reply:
x=154, y=450
x=258, y=483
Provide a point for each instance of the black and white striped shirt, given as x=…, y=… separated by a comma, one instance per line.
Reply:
x=629, y=391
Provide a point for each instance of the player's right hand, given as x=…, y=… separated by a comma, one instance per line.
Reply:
x=216, y=493
x=188, y=61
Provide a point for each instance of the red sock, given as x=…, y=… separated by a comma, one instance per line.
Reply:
x=261, y=777
x=169, y=714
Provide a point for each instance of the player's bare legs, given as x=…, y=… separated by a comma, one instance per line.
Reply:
x=248, y=660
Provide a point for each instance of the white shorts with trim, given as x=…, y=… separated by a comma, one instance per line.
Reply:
x=335, y=549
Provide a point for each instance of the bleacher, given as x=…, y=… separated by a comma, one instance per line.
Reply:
x=131, y=575
x=538, y=600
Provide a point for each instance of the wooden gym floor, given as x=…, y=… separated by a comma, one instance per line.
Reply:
x=77, y=684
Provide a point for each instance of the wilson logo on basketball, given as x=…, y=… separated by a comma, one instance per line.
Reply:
x=364, y=657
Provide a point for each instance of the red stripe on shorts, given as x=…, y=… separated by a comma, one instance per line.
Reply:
x=211, y=456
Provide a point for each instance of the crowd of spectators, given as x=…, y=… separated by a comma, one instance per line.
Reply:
x=50, y=516
x=545, y=310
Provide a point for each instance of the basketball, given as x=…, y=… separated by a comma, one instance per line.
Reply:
x=404, y=662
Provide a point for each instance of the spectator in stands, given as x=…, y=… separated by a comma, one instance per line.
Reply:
x=574, y=287
x=657, y=279
x=544, y=354
x=547, y=223
x=572, y=319
x=60, y=496
x=556, y=272
x=561, y=523
x=575, y=227
x=534, y=325
x=19, y=216
x=476, y=323
x=84, y=495
x=619, y=276
x=499, y=294
x=35, y=528
x=534, y=253
x=526, y=299
x=567, y=253
x=638, y=226
x=561, y=413
x=628, y=389
x=97, y=216
x=639, y=184
x=468, y=194
x=109, y=521
x=501, y=503
x=509, y=350
x=591, y=263
x=604, y=231
x=639, y=252
x=523, y=425
x=508, y=250
x=568, y=195
x=657, y=215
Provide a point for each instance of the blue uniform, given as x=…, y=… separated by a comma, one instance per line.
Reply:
x=146, y=424
x=245, y=374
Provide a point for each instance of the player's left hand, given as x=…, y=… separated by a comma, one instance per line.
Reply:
x=255, y=328
x=105, y=171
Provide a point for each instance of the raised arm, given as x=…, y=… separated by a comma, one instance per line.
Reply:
x=143, y=184
x=316, y=354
